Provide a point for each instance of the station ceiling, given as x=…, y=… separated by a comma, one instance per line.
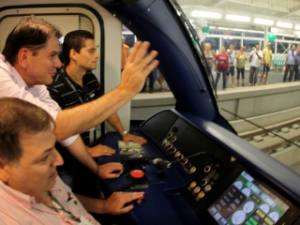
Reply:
x=286, y=10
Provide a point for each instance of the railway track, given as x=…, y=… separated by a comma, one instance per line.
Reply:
x=281, y=141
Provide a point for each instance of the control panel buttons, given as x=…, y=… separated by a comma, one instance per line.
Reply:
x=203, y=182
x=137, y=174
x=177, y=154
x=184, y=162
x=192, y=185
x=192, y=170
x=207, y=169
x=200, y=195
x=197, y=190
x=207, y=188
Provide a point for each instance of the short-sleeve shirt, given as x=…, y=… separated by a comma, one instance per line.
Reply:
x=222, y=62
x=267, y=56
x=17, y=208
x=13, y=85
x=68, y=93
x=291, y=58
x=241, y=60
x=256, y=58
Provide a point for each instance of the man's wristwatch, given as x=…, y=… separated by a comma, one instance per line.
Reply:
x=124, y=132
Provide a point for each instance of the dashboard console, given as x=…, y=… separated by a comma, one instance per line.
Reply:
x=191, y=176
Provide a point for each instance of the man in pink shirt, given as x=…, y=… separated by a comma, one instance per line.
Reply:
x=30, y=189
x=29, y=62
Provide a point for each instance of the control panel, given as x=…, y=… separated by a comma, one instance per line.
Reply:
x=198, y=157
x=190, y=177
x=219, y=188
x=246, y=201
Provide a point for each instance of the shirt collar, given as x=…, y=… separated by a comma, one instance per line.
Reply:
x=16, y=196
x=5, y=65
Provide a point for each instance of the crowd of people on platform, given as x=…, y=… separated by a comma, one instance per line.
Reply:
x=227, y=63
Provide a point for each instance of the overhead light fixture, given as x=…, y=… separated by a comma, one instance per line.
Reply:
x=297, y=33
x=241, y=30
x=262, y=21
x=284, y=24
x=224, y=28
x=297, y=26
x=206, y=14
x=237, y=18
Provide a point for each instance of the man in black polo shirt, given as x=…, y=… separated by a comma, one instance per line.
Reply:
x=76, y=84
x=73, y=85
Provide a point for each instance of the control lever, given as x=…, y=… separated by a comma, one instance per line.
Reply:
x=160, y=163
x=163, y=164
x=132, y=157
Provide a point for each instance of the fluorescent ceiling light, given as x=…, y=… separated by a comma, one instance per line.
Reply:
x=192, y=21
x=206, y=14
x=279, y=32
x=237, y=18
x=263, y=21
x=241, y=30
x=297, y=33
x=224, y=28
x=284, y=24
x=297, y=26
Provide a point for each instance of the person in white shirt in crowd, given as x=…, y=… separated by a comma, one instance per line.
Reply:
x=231, y=70
x=255, y=58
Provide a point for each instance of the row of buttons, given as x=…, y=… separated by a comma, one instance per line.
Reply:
x=170, y=148
x=202, y=186
x=203, y=178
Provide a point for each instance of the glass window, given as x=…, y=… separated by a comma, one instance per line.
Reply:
x=258, y=35
x=232, y=33
x=290, y=38
x=249, y=44
x=129, y=39
x=215, y=44
x=235, y=42
x=282, y=47
x=226, y=32
x=260, y=106
x=219, y=32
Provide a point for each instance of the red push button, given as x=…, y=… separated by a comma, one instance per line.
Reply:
x=137, y=174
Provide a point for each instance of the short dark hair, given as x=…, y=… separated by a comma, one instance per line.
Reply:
x=31, y=32
x=74, y=40
x=16, y=118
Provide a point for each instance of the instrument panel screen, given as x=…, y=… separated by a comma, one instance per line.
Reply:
x=247, y=202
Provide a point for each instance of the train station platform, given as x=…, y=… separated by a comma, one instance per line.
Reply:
x=274, y=107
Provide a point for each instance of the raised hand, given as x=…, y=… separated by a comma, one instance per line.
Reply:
x=138, y=66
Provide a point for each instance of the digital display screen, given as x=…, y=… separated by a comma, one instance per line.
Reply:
x=247, y=202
